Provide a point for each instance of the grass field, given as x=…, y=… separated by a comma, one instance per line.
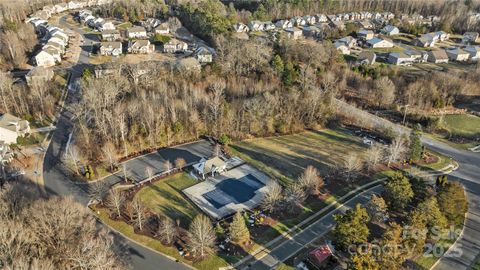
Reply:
x=286, y=157
x=164, y=197
x=463, y=124
x=124, y=26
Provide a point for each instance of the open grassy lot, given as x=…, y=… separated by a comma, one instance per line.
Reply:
x=462, y=124
x=286, y=157
x=124, y=26
x=164, y=197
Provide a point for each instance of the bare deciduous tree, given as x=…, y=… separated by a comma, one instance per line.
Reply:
x=396, y=150
x=310, y=180
x=115, y=201
x=294, y=197
x=374, y=156
x=180, y=163
x=139, y=212
x=167, y=230
x=273, y=197
x=98, y=191
x=109, y=152
x=201, y=236
x=352, y=165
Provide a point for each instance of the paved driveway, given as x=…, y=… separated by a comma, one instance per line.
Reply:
x=136, y=168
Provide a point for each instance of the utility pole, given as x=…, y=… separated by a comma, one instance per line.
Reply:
x=405, y=114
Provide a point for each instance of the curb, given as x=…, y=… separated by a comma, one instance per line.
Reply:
x=140, y=244
x=321, y=213
x=456, y=240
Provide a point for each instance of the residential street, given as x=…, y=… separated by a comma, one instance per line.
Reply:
x=317, y=229
x=469, y=175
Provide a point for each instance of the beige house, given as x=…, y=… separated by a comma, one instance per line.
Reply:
x=457, y=54
x=44, y=59
x=437, y=56
x=175, y=45
x=203, y=55
x=162, y=29
x=111, y=35
x=39, y=75
x=12, y=127
x=294, y=33
x=136, y=32
x=210, y=167
x=141, y=46
x=111, y=48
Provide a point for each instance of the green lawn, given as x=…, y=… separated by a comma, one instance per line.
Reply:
x=285, y=157
x=463, y=124
x=164, y=197
x=425, y=263
x=476, y=266
x=124, y=26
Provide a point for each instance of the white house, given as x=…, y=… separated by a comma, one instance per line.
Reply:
x=400, y=59
x=210, y=167
x=162, y=29
x=425, y=41
x=12, y=127
x=310, y=20
x=106, y=25
x=203, y=55
x=390, y=30
x=141, y=46
x=136, y=32
x=111, y=48
x=457, y=54
x=284, y=24
x=240, y=28
x=321, y=18
x=255, y=26
x=349, y=41
x=111, y=35
x=340, y=46
x=39, y=75
x=268, y=26
x=367, y=58
x=379, y=43
x=298, y=21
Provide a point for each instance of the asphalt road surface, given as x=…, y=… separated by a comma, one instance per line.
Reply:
x=467, y=247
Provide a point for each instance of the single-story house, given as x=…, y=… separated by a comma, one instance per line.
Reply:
x=284, y=24
x=390, y=30
x=203, y=55
x=365, y=34
x=162, y=29
x=136, y=32
x=175, y=45
x=140, y=46
x=457, y=54
x=379, y=43
x=294, y=33
x=437, y=56
x=240, y=28
x=349, y=41
x=111, y=48
x=399, y=59
x=12, y=127
x=473, y=51
x=39, y=75
x=469, y=37
x=367, y=58
x=340, y=46
x=111, y=35
x=255, y=26
x=210, y=167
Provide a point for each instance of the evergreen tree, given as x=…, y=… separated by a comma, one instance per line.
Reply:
x=398, y=191
x=351, y=227
x=415, y=144
x=392, y=256
x=238, y=229
x=452, y=202
x=432, y=214
x=277, y=64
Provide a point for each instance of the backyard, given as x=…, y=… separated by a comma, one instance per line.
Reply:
x=461, y=130
x=286, y=157
x=165, y=198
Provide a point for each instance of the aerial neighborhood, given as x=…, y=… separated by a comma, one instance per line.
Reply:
x=267, y=134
